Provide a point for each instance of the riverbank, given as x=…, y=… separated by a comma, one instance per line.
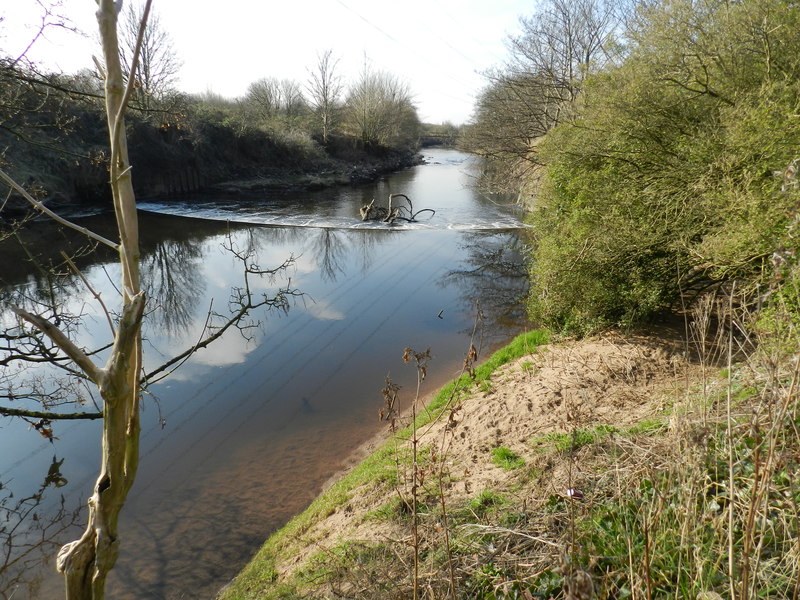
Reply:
x=490, y=450
x=573, y=469
x=330, y=173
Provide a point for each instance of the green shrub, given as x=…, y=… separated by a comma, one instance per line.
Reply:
x=662, y=182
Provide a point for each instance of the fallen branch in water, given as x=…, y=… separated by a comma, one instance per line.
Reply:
x=390, y=214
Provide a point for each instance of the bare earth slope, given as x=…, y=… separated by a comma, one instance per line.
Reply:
x=611, y=380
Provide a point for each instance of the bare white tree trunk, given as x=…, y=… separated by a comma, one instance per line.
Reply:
x=86, y=562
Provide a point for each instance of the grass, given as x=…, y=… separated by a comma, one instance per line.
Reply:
x=505, y=458
x=488, y=500
x=566, y=442
x=647, y=427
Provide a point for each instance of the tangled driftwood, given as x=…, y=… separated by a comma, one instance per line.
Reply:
x=391, y=213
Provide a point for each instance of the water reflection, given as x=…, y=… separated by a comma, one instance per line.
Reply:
x=329, y=246
x=32, y=528
x=493, y=276
x=172, y=278
x=245, y=432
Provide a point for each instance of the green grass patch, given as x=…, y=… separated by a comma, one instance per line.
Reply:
x=486, y=502
x=564, y=442
x=647, y=427
x=507, y=459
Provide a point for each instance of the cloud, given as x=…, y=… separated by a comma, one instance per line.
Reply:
x=324, y=311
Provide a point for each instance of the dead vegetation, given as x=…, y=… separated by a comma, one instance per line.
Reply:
x=395, y=210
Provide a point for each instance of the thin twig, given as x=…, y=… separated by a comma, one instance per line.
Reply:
x=91, y=290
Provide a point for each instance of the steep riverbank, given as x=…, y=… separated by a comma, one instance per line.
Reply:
x=487, y=450
x=598, y=468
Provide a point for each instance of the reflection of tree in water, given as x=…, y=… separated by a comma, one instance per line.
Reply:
x=265, y=237
x=33, y=369
x=174, y=273
x=330, y=248
x=173, y=277
x=30, y=535
x=367, y=242
x=493, y=275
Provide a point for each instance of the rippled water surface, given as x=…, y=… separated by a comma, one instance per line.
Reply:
x=243, y=435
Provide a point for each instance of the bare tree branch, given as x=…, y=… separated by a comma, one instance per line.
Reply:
x=39, y=206
x=77, y=355
x=50, y=416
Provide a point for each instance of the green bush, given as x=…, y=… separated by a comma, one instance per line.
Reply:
x=662, y=182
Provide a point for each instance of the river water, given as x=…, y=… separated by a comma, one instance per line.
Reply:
x=244, y=434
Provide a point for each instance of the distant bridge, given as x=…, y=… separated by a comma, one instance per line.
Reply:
x=437, y=139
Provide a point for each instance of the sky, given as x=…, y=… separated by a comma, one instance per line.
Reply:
x=441, y=48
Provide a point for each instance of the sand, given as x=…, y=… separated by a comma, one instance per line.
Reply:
x=612, y=380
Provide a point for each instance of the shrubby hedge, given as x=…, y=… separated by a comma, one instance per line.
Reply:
x=674, y=171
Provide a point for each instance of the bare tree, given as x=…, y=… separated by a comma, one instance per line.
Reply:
x=271, y=98
x=43, y=333
x=325, y=88
x=264, y=97
x=158, y=63
x=292, y=102
x=380, y=109
x=87, y=561
x=561, y=44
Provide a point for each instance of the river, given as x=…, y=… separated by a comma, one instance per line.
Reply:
x=244, y=434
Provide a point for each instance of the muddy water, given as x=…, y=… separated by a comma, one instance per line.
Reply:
x=244, y=434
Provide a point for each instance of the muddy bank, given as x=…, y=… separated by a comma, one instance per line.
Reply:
x=331, y=175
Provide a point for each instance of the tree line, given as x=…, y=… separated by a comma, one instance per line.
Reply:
x=51, y=123
x=656, y=144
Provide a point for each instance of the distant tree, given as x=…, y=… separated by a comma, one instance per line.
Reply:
x=380, y=110
x=263, y=97
x=450, y=133
x=561, y=44
x=291, y=101
x=270, y=98
x=325, y=88
x=158, y=63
